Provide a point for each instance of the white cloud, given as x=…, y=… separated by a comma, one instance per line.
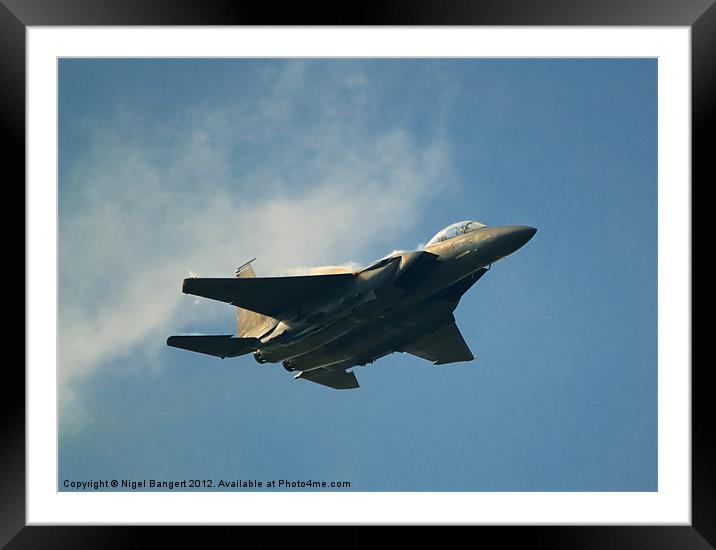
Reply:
x=143, y=207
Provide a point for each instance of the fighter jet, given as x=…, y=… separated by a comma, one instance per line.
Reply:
x=321, y=325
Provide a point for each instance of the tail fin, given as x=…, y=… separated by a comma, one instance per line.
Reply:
x=250, y=324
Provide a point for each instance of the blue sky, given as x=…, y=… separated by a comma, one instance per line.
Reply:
x=177, y=167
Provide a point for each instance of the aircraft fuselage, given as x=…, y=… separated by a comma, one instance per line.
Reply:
x=387, y=304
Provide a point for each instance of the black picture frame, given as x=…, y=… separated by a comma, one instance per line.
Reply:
x=699, y=15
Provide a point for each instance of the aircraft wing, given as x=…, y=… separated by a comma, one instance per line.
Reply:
x=265, y=295
x=337, y=379
x=443, y=345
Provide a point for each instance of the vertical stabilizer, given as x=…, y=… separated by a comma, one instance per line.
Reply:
x=250, y=324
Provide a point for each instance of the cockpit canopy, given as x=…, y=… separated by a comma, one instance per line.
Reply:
x=455, y=230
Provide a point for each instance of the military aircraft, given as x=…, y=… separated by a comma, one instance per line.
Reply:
x=321, y=325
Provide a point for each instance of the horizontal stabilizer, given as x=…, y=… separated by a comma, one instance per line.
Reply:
x=336, y=379
x=267, y=295
x=443, y=345
x=216, y=345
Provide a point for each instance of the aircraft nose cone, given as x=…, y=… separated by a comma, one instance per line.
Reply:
x=510, y=238
x=523, y=233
